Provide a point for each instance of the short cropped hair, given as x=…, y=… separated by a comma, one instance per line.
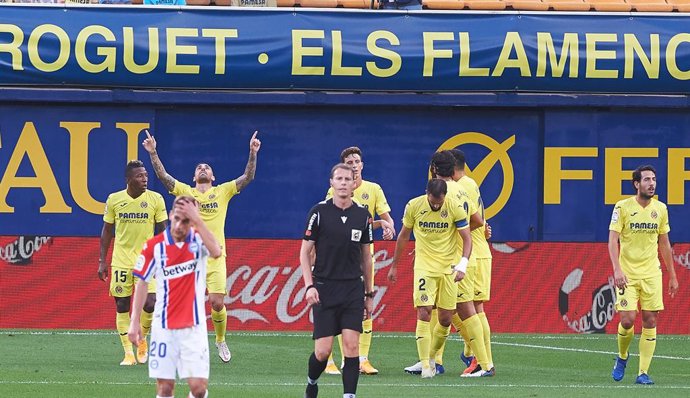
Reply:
x=459, y=158
x=353, y=150
x=442, y=164
x=131, y=165
x=637, y=173
x=437, y=187
x=344, y=167
x=183, y=198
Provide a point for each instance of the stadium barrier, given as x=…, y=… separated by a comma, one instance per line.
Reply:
x=537, y=287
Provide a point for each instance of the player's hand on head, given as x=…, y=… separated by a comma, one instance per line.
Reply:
x=149, y=142
x=254, y=143
x=188, y=209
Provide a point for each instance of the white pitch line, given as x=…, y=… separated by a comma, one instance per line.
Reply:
x=546, y=347
x=570, y=337
x=421, y=385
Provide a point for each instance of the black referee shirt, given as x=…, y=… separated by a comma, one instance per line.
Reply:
x=339, y=235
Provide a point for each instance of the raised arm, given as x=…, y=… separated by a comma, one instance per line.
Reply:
x=249, y=171
x=107, y=234
x=667, y=255
x=165, y=178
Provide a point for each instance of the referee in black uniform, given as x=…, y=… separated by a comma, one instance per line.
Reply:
x=340, y=231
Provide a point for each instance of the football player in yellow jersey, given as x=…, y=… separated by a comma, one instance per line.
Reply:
x=371, y=196
x=436, y=220
x=213, y=204
x=132, y=216
x=481, y=262
x=466, y=321
x=640, y=224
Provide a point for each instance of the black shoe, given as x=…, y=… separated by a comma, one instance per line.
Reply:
x=312, y=391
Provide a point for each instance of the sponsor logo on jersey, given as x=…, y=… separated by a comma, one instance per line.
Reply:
x=433, y=224
x=179, y=270
x=133, y=216
x=356, y=235
x=644, y=225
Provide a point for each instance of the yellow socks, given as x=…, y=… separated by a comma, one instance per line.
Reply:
x=476, y=337
x=365, y=338
x=423, y=337
x=220, y=323
x=432, y=326
x=462, y=331
x=438, y=340
x=647, y=346
x=625, y=337
x=487, y=335
x=146, y=320
x=122, y=324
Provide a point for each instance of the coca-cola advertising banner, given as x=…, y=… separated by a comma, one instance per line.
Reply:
x=536, y=287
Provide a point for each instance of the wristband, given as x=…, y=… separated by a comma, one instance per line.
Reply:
x=309, y=287
x=462, y=265
x=370, y=294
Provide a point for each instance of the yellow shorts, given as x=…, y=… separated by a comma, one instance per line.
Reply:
x=466, y=285
x=649, y=292
x=482, y=280
x=439, y=290
x=216, y=275
x=122, y=282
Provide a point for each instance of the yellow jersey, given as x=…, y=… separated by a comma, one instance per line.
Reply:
x=135, y=220
x=639, y=228
x=436, y=234
x=371, y=196
x=213, y=205
x=480, y=247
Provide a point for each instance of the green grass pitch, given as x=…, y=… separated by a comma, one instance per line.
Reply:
x=85, y=364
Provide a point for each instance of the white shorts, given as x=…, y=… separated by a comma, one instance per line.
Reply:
x=184, y=351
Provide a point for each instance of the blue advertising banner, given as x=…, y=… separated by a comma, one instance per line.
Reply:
x=544, y=174
x=292, y=49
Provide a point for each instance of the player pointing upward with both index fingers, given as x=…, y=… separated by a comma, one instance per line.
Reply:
x=213, y=204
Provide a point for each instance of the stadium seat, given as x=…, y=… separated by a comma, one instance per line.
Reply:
x=569, y=5
x=486, y=4
x=529, y=5
x=680, y=5
x=366, y=4
x=610, y=5
x=443, y=4
x=319, y=3
x=650, y=5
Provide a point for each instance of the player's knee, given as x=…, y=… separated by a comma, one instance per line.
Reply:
x=150, y=303
x=627, y=323
x=216, y=302
x=122, y=304
x=199, y=392
x=166, y=390
x=322, y=354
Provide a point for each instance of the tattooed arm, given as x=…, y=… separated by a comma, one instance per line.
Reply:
x=249, y=171
x=150, y=146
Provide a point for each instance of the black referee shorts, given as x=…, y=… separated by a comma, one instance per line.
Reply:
x=341, y=307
